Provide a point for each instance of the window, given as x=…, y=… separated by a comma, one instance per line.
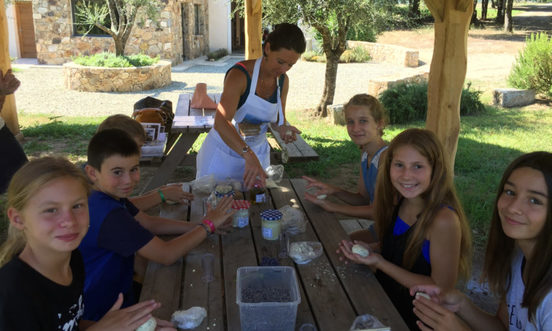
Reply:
x=197, y=16
x=80, y=29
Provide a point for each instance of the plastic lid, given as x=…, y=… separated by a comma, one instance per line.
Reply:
x=240, y=204
x=271, y=214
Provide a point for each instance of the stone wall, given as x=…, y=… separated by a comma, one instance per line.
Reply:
x=195, y=45
x=388, y=53
x=98, y=79
x=56, y=43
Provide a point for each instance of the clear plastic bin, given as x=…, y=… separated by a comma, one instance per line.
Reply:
x=267, y=297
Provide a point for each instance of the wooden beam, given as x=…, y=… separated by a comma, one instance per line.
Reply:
x=253, y=37
x=448, y=70
x=9, y=111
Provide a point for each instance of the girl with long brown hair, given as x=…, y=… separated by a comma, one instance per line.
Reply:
x=423, y=234
x=518, y=260
x=41, y=269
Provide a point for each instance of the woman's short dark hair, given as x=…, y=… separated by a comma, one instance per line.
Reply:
x=287, y=36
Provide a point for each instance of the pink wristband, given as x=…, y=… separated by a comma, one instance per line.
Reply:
x=210, y=225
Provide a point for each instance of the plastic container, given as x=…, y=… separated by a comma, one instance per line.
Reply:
x=240, y=219
x=268, y=298
x=270, y=223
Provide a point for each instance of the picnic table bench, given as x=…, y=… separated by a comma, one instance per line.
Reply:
x=189, y=123
x=332, y=293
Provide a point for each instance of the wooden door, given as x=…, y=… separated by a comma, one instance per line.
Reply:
x=25, y=29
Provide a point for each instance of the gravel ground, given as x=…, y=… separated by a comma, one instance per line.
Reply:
x=42, y=87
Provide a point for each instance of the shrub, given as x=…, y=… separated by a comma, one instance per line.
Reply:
x=109, y=60
x=533, y=67
x=356, y=54
x=215, y=55
x=407, y=102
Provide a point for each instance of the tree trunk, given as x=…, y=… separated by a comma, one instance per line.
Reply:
x=9, y=110
x=508, y=24
x=119, y=46
x=448, y=70
x=332, y=61
x=484, y=6
x=500, y=11
x=474, y=20
x=414, y=8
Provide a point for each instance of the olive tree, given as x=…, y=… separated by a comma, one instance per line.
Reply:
x=332, y=19
x=116, y=17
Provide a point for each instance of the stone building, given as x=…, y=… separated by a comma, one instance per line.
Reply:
x=185, y=29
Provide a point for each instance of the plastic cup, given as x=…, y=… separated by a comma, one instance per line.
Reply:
x=207, y=264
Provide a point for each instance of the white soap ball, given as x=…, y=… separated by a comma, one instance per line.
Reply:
x=190, y=318
x=289, y=133
x=321, y=196
x=360, y=250
x=422, y=294
x=150, y=325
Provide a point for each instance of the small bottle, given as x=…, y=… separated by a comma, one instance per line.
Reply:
x=240, y=218
x=271, y=224
x=257, y=194
x=222, y=191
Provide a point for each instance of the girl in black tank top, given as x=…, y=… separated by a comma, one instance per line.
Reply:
x=421, y=241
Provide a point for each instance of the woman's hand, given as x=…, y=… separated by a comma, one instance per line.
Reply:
x=129, y=318
x=288, y=133
x=345, y=248
x=254, y=172
x=434, y=316
x=8, y=83
x=174, y=192
x=221, y=215
x=323, y=188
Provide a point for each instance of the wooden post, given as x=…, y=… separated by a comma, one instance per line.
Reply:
x=253, y=37
x=9, y=113
x=448, y=70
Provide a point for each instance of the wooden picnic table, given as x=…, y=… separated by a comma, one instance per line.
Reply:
x=332, y=293
x=189, y=123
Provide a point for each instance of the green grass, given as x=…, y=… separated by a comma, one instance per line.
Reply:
x=487, y=144
x=491, y=12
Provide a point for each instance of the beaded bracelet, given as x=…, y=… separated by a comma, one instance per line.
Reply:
x=161, y=195
x=209, y=224
x=206, y=228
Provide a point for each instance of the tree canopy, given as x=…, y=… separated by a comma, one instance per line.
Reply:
x=116, y=17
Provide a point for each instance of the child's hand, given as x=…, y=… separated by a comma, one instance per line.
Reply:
x=432, y=314
x=450, y=300
x=323, y=203
x=323, y=188
x=345, y=248
x=163, y=325
x=129, y=318
x=174, y=192
x=220, y=216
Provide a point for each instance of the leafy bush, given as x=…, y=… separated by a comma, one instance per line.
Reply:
x=533, y=67
x=215, y=55
x=407, y=102
x=109, y=60
x=312, y=56
x=356, y=54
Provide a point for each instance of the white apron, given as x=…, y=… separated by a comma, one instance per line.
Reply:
x=215, y=157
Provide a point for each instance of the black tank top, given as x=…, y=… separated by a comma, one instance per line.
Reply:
x=392, y=249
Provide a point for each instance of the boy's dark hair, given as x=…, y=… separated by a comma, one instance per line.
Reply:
x=110, y=142
x=287, y=36
x=125, y=123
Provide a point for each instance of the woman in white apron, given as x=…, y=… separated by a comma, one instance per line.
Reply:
x=254, y=96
